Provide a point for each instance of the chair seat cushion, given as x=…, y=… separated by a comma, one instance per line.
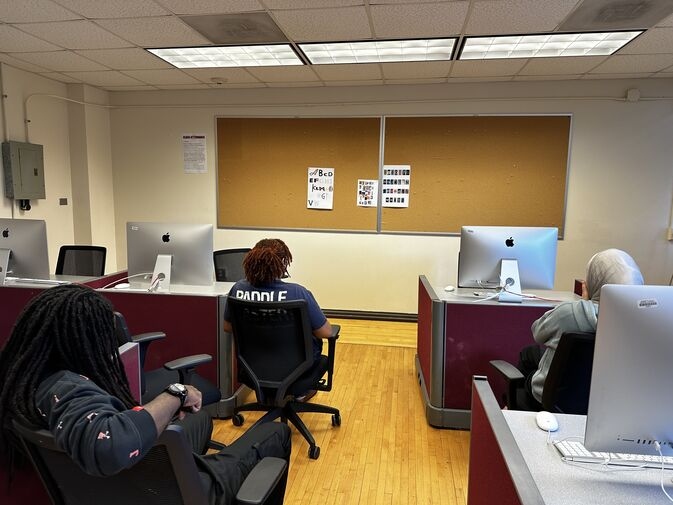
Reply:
x=310, y=379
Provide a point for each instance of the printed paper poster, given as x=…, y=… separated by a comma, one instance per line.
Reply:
x=194, y=153
x=395, y=185
x=320, y=188
x=368, y=192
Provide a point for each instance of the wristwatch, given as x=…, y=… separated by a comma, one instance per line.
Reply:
x=178, y=390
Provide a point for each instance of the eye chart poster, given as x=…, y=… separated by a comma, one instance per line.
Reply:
x=320, y=188
x=368, y=192
x=395, y=185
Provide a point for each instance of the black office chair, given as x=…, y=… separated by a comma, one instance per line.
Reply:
x=86, y=260
x=167, y=475
x=229, y=264
x=274, y=348
x=182, y=370
x=567, y=385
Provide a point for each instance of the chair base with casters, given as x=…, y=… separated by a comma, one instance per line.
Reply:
x=168, y=474
x=568, y=381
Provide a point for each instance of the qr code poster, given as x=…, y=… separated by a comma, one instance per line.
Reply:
x=395, y=185
x=368, y=192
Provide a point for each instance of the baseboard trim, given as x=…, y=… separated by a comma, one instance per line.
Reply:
x=371, y=315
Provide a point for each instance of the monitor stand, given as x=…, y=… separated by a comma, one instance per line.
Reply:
x=161, y=277
x=4, y=264
x=509, y=280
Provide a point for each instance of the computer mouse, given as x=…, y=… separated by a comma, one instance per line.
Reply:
x=449, y=288
x=122, y=285
x=546, y=421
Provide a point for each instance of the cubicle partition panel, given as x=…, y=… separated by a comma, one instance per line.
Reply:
x=12, y=301
x=190, y=323
x=458, y=334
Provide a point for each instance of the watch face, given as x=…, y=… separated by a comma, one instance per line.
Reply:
x=178, y=388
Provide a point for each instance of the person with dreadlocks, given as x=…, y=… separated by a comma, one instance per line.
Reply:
x=265, y=266
x=61, y=371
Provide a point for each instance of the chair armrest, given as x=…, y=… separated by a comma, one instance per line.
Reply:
x=188, y=362
x=261, y=481
x=336, y=328
x=507, y=370
x=145, y=338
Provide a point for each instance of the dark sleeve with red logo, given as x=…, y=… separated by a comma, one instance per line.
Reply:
x=93, y=427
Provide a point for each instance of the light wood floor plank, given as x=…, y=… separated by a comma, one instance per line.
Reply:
x=384, y=452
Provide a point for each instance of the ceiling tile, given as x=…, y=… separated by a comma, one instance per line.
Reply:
x=560, y=66
x=130, y=88
x=14, y=41
x=348, y=23
x=79, y=34
x=634, y=64
x=422, y=20
x=377, y=82
x=97, y=9
x=493, y=17
x=125, y=59
x=666, y=75
x=565, y=77
x=348, y=72
x=30, y=11
x=60, y=77
x=486, y=68
x=416, y=70
x=210, y=6
x=162, y=77
x=23, y=65
x=283, y=74
x=105, y=78
x=453, y=80
x=616, y=76
x=154, y=32
x=666, y=22
x=415, y=81
x=294, y=84
x=310, y=4
x=239, y=85
x=227, y=75
x=60, y=61
x=198, y=85
x=656, y=40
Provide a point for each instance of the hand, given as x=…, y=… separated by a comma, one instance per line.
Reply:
x=192, y=402
x=585, y=291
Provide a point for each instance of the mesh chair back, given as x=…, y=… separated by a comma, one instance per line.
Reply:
x=167, y=475
x=86, y=260
x=229, y=264
x=568, y=381
x=273, y=343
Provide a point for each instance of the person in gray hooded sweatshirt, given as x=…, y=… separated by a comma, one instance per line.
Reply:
x=612, y=266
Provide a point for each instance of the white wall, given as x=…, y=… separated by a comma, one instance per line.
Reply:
x=619, y=189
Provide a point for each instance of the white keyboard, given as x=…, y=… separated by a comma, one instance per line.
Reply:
x=46, y=282
x=573, y=450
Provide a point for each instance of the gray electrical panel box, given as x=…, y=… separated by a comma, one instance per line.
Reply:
x=24, y=170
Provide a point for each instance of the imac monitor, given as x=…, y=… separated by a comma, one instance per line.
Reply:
x=23, y=249
x=630, y=400
x=182, y=253
x=483, y=249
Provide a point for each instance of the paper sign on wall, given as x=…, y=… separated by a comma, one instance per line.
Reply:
x=320, y=188
x=194, y=153
x=395, y=185
x=368, y=192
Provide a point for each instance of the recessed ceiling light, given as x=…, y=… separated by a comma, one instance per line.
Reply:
x=546, y=46
x=229, y=56
x=378, y=51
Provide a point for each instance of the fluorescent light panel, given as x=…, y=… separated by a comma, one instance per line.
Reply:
x=545, y=46
x=378, y=51
x=229, y=56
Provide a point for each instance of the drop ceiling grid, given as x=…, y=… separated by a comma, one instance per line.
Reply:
x=77, y=34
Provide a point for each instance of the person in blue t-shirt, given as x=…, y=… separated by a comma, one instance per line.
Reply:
x=265, y=266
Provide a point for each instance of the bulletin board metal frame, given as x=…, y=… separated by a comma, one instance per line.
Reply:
x=485, y=169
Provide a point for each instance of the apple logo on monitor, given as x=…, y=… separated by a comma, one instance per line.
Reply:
x=5, y=233
x=166, y=237
x=509, y=242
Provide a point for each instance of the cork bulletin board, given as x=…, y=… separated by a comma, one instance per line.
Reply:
x=476, y=170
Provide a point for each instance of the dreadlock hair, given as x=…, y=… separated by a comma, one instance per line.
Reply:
x=68, y=327
x=267, y=261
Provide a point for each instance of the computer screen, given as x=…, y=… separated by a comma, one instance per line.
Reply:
x=23, y=248
x=482, y=249
x=630, y=400
x=190, y=247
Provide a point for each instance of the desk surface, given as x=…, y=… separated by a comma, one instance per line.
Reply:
x=562, y=483
x=546, y=298
x=215, y=289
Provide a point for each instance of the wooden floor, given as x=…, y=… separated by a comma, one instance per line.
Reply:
x=384, y=452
